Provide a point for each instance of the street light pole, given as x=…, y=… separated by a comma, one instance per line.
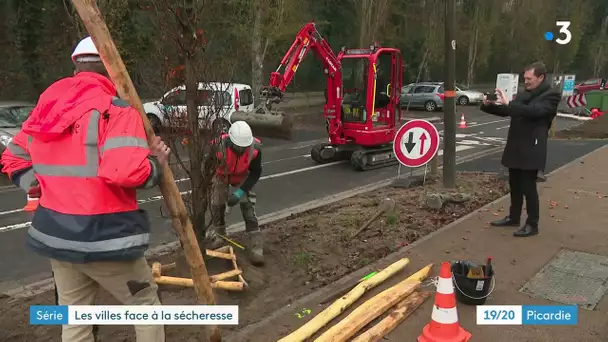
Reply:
x=449, y=136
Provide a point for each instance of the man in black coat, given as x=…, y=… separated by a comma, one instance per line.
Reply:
x=531, y=113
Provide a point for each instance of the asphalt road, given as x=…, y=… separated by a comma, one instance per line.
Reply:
x=290, y=178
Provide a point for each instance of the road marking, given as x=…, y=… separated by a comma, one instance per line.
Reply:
x=9, y=228
x=488, y=123
x=8, y=212
x=280, y=160
x=458, y=149
x=471, y=142
x=287, y=173
x=160, y=197
x=499, y=128
x=493, y=139
x=14, y=227
x=264, y=163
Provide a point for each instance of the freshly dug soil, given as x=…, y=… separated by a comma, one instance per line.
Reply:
x=303, y=253
x=592, y=129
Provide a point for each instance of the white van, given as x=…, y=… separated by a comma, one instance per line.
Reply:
x=216, y=100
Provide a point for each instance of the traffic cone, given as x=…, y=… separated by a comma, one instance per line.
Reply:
x=32, y=204
x=463, y=124
x=444, y=326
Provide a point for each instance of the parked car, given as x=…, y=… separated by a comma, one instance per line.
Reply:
x=465, y=96
x=427, y=95
x=588, y=85
x=215, y=100
x=12, y=116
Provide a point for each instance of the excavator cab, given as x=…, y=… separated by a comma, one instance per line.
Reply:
x=371, y=80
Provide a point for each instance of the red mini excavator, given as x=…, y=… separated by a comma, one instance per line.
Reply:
x=362, y=98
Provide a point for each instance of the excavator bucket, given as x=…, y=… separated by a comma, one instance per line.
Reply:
x=266, y=124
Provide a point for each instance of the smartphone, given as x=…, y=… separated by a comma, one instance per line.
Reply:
x=491, y=96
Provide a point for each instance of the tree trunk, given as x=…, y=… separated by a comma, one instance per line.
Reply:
x=473, y=46
x=365, y=20
x=599, y=58
x=257, y=51
x=195, y=144
x=198, y=203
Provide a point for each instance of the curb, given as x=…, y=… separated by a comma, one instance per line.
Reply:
x=574, y=117
x=44, y=285
x=380, y=264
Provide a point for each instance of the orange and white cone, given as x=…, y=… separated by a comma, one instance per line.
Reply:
x=444, y=326
x=463, y=124
x=32, y=204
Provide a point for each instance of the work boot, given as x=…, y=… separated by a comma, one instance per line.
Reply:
x=214, y=240
x=526, y=230
x=505, y=222
x=256, y=248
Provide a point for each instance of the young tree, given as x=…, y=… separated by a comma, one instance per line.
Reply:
x=198, y=62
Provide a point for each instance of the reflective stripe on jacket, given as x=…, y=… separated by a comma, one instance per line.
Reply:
x=88, y=151
x=233, y=169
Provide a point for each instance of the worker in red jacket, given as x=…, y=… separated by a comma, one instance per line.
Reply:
x=87, y=150
x=240, y=167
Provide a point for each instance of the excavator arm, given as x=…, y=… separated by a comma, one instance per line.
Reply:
x=308, y=38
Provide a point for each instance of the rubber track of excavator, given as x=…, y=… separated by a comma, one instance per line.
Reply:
x=358, y=158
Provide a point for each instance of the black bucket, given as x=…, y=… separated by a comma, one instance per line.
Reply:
x=472, y=291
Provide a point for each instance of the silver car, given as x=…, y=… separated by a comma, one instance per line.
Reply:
x=427, y=95
x=465, y=96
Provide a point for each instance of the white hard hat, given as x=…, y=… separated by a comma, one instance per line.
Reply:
x=240, y=134
x=86, y=51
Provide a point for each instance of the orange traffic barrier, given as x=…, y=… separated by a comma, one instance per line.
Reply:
x=444, y=326
x=32, y=204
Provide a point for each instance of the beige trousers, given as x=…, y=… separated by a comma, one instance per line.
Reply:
x=130, y=282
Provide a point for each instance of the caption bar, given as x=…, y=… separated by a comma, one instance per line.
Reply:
x=134, y=315
x=527, y=315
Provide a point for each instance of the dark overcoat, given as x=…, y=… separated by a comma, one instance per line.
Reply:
x=531, y=114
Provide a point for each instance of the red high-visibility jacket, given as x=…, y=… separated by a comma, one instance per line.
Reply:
x=88, y=150
x=233, y=169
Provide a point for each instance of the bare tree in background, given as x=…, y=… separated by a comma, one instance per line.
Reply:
x=372, y=16
x=193, y=111
x=601, y=48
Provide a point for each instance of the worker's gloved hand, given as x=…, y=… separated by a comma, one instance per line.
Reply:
x=34, y=190
x=235, y=197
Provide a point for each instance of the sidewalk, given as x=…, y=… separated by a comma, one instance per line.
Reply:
x=582, y=186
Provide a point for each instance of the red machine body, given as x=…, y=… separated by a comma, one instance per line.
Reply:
x=362, y=109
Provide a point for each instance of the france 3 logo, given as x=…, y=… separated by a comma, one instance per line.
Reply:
x=564, y=34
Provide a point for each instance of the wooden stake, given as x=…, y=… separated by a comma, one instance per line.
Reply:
x=98, y=30
x=373, y=308
x=236, y=267
x=400, y=312
x=186, y=282
x=335, y=309
x=225, y=275
x=220, y=255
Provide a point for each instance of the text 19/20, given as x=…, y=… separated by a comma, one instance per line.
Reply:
x=499, y=315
